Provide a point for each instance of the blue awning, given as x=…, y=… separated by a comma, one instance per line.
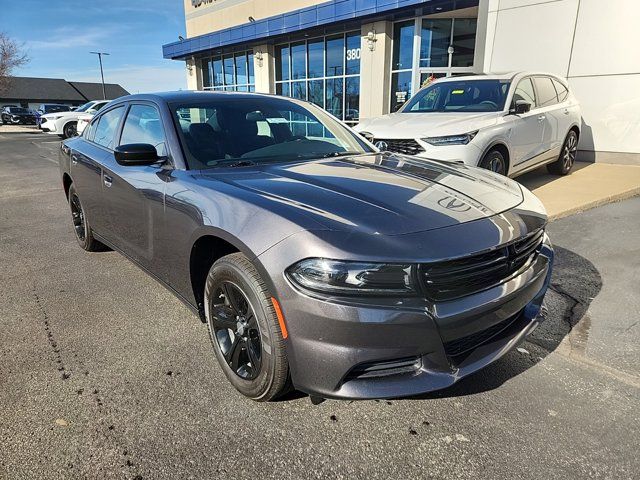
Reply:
x=323, y=14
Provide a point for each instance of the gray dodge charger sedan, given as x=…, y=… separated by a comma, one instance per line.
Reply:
x=317, y=262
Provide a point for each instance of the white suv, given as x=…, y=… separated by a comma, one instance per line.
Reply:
x=506, y=123
x=65, y=124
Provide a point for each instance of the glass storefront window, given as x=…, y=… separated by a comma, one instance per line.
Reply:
x=298, y=61
x=335, y=56
x=229, y=73
x=464, y=42
x=434, y=42
x=315, y=51
x=403, y=45
x=324, y=71
x=410, y=69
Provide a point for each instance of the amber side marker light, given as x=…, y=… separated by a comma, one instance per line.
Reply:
x=283, y=326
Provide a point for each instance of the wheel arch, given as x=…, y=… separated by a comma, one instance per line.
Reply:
x=502, y=147
x=66, y=183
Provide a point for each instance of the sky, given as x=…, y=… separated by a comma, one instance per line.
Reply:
x=58, y=35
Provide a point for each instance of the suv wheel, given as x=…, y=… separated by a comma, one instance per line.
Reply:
x=494, y=161
x=69, y=130
x=244, y=329
x=567, y=158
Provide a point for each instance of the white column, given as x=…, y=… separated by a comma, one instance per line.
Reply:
x=264, y=68
x=375, y=69
x=194, y=75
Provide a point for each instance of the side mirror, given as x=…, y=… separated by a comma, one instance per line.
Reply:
x=521, y=107
x=136, y=154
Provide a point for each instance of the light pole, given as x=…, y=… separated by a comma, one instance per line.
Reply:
x=104, y=93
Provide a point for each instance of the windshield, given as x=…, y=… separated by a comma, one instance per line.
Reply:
x=460, y=96
x=85, y=107
x=56, y=108
x=237, y=131
x=18, y=110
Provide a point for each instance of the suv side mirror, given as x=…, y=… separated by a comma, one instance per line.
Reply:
x=521, y=107
x=136, y=154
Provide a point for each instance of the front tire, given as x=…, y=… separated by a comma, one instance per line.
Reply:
x=81, y=227
x=567, y=157
x=244, y=329
x=494, y=161
x=69, y=130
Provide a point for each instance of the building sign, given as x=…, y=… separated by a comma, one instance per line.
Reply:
x=198, y=3
x=353, y=54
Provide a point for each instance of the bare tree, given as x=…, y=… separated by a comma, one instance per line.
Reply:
x=11, y=57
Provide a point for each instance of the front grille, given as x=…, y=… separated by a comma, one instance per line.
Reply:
x=385, y=368
x=458, y=348
x=459, y=277
x=406, y=146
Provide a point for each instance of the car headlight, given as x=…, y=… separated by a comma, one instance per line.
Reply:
x=55, y=117
x=451, y=139
x=353, y=278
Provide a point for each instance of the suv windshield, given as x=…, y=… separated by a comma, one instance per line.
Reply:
x=55, y=108
x=238, y=131
x=460, y=96
x=84, y=107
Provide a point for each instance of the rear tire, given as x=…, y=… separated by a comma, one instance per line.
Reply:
x=244, y=329
x=81, y=226
x=494, y=161
x=567, y=157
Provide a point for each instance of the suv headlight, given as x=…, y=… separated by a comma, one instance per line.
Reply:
x=353, y=278
x=451, y=139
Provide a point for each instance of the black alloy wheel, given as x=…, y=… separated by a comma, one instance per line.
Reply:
x=494, y=161
x=70, y=130
x=81, y=226
x=568, y=155
x=245, y=330
x=236, y=330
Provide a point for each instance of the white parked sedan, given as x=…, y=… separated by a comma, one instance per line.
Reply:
x=65, y=124
x=506, y=123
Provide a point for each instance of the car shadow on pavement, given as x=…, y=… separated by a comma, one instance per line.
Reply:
x=540, y=177
x=575, y=283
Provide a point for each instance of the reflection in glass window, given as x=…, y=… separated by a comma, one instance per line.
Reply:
x=400, y=89
x=143, y=125
x=229, y=73
x=315, y=60
x=403, y=45
x=561, y=89
x=334, y=96
x=525, y=92
x=106, y=128
x=547, y=95
x=353, y=54
x=335, y=56
x=282, y=62
x=464, y=42
x=298, y=61
x=316, y=92
x=434, y=42
x=324, y=71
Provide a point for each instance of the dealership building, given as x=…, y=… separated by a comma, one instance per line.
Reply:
x=365, y=58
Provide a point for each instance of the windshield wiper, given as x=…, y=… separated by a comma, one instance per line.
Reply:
x=340, y=154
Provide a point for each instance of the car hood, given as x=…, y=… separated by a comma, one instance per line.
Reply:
x=417, y=125
x=383, y=193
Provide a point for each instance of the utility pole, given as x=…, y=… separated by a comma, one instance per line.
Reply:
x=104, y=93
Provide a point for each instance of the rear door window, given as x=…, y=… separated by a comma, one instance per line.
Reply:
x=563, y=92
x=547, y=95
x=106, y=128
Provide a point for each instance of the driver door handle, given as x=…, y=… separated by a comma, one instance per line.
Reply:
x=541, y=118
x=108, y=181
x=74, y=160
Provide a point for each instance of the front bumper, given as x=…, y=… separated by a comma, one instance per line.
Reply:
x=338, y=349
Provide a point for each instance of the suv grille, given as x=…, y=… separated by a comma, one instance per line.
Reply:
x=406, y=146
x=460, y=277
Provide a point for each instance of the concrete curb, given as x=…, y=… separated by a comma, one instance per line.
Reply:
x=618, y=197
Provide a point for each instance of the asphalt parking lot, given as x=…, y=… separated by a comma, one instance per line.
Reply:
x=104, y=374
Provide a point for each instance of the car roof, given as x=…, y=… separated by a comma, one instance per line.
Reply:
x=190, y=96
x=498, y=76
